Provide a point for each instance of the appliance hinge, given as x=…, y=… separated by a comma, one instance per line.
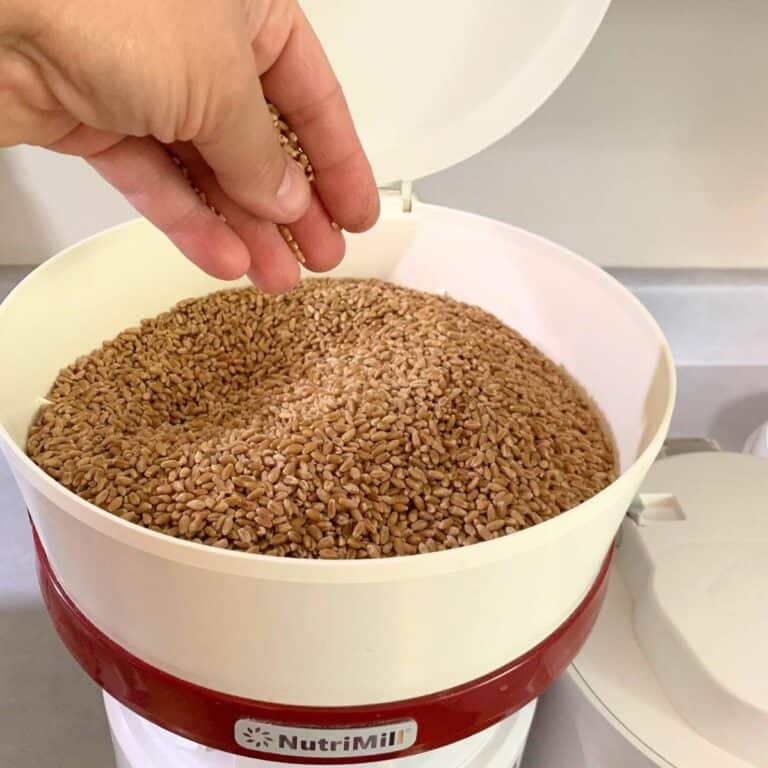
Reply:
x=662, y=506
x=404, y=190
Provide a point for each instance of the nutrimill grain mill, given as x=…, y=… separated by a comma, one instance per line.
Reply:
x=232, y=659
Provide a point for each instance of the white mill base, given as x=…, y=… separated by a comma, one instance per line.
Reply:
x=140, y=744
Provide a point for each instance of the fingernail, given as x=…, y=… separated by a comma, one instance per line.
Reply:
x=293, y=194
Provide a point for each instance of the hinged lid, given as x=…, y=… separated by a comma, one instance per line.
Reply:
x=694, y=556
x=432, y=83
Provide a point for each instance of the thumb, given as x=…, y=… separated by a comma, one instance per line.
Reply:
x=244, y=152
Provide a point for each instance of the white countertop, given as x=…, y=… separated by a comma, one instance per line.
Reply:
x=51, y=715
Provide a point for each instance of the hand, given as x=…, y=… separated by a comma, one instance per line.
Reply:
x=119, y=83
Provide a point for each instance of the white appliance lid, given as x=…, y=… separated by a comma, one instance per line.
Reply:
x=678, y=653
x=431, y=83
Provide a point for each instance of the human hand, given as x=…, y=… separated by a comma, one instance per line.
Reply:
x=120, y=83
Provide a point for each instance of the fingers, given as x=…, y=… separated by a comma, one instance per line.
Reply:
x=272, y=266
x=322, y=245
x=85, y=141
x=243, y=150
x=142, y=170
x=303, y=87
x=30, y=113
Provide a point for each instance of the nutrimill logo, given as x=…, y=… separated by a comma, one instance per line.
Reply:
x=257, y=737
x=329, y=743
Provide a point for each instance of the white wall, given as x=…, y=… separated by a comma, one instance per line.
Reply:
x=654, y=152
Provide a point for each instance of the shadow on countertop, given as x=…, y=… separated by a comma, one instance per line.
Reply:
x=51, y=714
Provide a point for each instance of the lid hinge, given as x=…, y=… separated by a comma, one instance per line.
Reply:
x=645, y=507
x=404, y=189
x=406, y=195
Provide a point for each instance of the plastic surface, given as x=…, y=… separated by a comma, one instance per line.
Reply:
x=699, y=582
x=139, y=744
x=573, y=730
x=209, y=717
x=431, y=83
x=676, y=658
x=757, y=442
x=338, y=633
x=621, y=713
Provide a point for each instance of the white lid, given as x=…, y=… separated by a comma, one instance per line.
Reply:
x=678, y=654
x=431, y=83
